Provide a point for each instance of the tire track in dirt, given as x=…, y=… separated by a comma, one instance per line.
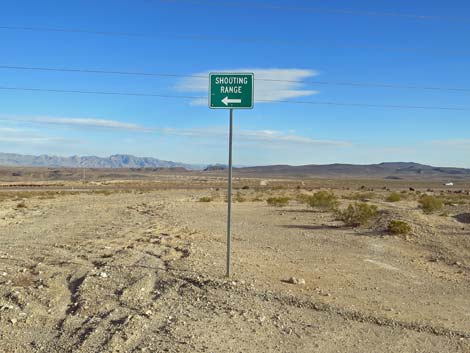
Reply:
x=367, y=318
x=105, y=280
x=297, y=302
x=149, y=252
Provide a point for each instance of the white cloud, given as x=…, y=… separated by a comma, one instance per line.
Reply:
x=81, y=122
x=28, y=137
x=269, y=137
x=9, y=130
x=457, y=143
x=32, y=140
x=93, y=123
x=280, y=84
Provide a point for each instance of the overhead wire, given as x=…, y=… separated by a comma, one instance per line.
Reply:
x=271, y=6
x=265, y=79
x=161, y=95
x=252, y=40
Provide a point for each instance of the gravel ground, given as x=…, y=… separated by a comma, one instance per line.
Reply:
x=143, y=272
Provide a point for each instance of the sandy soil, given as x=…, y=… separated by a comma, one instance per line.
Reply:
x=144, y=272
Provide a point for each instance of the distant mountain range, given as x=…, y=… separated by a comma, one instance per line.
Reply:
x=390, y=170
x=394, y=170
x=115, y=161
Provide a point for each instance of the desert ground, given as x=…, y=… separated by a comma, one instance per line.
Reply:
x=112, y=265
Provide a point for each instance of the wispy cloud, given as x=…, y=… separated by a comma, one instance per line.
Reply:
x=266, y=137
x=9, y=130
x=34, y=140
x=283, y=84
x=25, y=137
x=258, y=136
x=456, y=143
x=80, y=122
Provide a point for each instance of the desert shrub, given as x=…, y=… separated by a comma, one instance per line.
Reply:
x=278, y=201
x=393, y=197
x=47, y=196
x=456, y=199
x=430, y=204
x=205, y=199
x=398, y=227
x=324, y=200
x=360, y=196
x=239, y=197
x=357, y=214
x=302, y=198
x=278, y=187
x=105, y=192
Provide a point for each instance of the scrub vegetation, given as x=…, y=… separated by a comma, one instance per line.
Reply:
x=430, y=204
x=398, y=227
x=323, y=200
x=393, y=197
x=281, y=201
x=357, y=214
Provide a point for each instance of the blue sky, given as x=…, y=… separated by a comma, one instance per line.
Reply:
x=291, y=44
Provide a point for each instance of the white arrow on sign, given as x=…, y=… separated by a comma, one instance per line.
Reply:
x=227, y=100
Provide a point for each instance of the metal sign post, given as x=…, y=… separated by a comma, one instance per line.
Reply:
x=229, y=91
x=229, y=196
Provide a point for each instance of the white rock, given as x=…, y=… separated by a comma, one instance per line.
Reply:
x=295, y=280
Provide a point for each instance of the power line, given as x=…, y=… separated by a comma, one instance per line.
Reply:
x=258, y=5
x=365, y=105
x=135, y=94
x=378, y=85
x=251, y=40
x=90, y=71
x=313, y=82
x=159, y=95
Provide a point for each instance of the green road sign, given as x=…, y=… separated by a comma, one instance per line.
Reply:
x=231, y=90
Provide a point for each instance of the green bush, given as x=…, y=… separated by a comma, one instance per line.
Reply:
x=357, y=214
x=398, y=227
x=324, y=200
x=205, y=199
x=430, y=204
x=278, y=201
x=393, y=197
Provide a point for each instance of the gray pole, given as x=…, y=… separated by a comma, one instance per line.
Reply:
x=229, y=198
